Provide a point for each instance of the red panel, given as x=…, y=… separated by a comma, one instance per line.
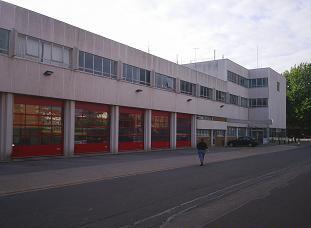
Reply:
x=184, y=116
x=92, y=106
x=160, y=145
x=125, y=146
x=131, y=110
x=182, y=144
x=32, y=100
x=37, y=150
x=91, y=148
x=160, y=113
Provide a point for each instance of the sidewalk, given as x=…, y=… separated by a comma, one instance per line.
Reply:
x=34, y=175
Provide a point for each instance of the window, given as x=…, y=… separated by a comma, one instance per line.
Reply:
x=220, y=96
x=241, y=131
x=131, y=129
x=237, y=79
x=278, y=86
x=136, y=75
x=244, y=102
x=232, y=131
x=234, y=99
x=183, y=130
x=97, y=65
x=203, y=133
x=92, y=127
x=37, y=126
x=160, y=129
x=200, y=117
x=4, y=41
x=206, y=92
x=165, y=82
x=32, y=47
x=187, y=88
x=43, y=51
x=258, y=102
x=258, y=82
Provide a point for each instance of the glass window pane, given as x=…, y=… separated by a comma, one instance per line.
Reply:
x=32, y=109
x=88, y=62
x=113, y=67
x=32, y=47
x=136, y=74
x=106, y=66
x=66, y=56
x=81, y=60
x=57, y=53
x=47, y=52
x=4, y=41
x=98, y=65
x=21, y=45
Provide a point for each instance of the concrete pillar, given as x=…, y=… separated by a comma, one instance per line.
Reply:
x=193, y=131
x=152, y=79
x=69, y=128
x=177, y=85
x=119, y=70
x=173, y=130
x=214, y=94
x=212, y=138
x=226, y=137
x=197, y=90
x=6, y=125
x=114, y=130
x=147, y=130
x=75, y=58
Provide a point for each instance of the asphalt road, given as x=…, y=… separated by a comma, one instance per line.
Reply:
x=271, y=190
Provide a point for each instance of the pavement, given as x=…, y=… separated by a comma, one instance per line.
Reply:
x=39, y=174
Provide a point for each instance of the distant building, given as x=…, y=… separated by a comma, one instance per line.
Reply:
x=67, y=91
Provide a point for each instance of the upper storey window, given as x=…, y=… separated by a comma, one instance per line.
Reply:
x=136, y=75
x=97, y=65
x=43, y=51
x=187, y=88
x=165, y=82
x=220, y=96
x=4, y=41
x=237, y=79
x=206, y=92
x=258, y=82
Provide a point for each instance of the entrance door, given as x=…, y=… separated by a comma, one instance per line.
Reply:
x=258, y=135
x=37, y=127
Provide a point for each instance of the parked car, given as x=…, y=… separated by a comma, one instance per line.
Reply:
x=243, y=141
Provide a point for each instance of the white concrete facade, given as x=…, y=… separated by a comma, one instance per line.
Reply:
x=25, y=76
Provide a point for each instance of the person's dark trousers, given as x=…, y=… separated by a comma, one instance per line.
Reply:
x=201, y=154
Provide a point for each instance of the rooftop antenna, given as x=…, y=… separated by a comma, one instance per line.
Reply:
x=223, y=56
x=177, y=58
x=214, y=54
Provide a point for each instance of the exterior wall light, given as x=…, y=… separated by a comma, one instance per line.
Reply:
x=48, y=73
x=138, y=90
x=189, y=100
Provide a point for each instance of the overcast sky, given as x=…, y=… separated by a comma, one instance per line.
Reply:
x=281, y=29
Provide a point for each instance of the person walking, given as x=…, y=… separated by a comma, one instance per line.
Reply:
x=201, y=148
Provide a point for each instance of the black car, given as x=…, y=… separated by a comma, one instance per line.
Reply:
x=243, y=141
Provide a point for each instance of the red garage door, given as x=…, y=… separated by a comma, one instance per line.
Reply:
x=37, y=127
x=183, y=130
x=131, y=129
x=160, y=130
x=92, y=128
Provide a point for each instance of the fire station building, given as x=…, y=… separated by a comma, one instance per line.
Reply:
x=65, y=91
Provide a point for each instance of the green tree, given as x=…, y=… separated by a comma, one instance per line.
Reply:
x=299, y=97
